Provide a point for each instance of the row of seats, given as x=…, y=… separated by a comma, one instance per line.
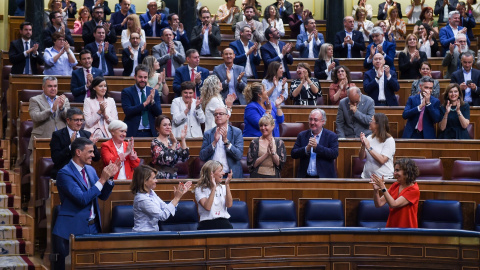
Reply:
x=274, y=214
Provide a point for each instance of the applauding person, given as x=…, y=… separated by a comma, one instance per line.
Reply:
x=100, y=110
x=133, y=55
x=305, y=90
x=341, y=83
x=187, y=111
x=456, y=114
x=274, y=83
x=410, y=59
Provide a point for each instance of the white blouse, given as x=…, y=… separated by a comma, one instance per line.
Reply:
x=372, y=166
x=218, y=209
x=278, y=25
x=214, y=103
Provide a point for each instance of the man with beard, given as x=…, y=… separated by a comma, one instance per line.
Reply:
x=98, y=19
x=246, y=53
x=206, y=38
x=448, y=33
x=276, y=50
x=241, y=15
x=23, y=52
x=454, y=54
x=256, y=26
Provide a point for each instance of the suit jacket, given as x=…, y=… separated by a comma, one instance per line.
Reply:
x=214, y=39
x=326, y=150
x=234, y=154
x=320, y=67
x=430, y=117
x=90, y=3
x=127, y=62
x=295, y=23
x=109, y=154
x=469, y=23
x=269, y=55
x=77, y=199
x=77, y=85
x=133, y=109
x=47, y=36
x=183, y=38
x=44, y=121
x=159, y=25
x=447, y=37
x=221, y=72
x=439, y=10
x=241, y=56
x=388, y=49
x=193, y=120
x=382, y=15
x=370, y=86
x=288, y=10
x=410, y=70
x=87, y=33
x=60, y=149
x=111, y=58
x=160, y=52
x=18, y=59
x=300, y=45
x=116, y=20
x=342, y=51
x=257, y=36
x=182, y=74
x=457, y=77
x=349, y=124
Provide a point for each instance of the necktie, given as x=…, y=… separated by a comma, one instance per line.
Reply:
x=144, y=112
x=169, y=63
x=104, y=65
x=420, y=120
x=27, y=60
x=192, y=78
x=85, y=179
x=88, y=90
x=459, y=64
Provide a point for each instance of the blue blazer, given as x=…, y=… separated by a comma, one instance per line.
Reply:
x=76, y=200
x=253, y=113
x=127, y=62
x=388, y=49
x=300, y=45
x=241, y=56
x=77, y=85
x=358, y=44
x=146, y=17
x=269, y=55
x=446, y=37
x=133, y=109
x=327, y=152
x=430, y=117
x=234, y=154
x=111, y=58
x=370, y=86
x=182, y=74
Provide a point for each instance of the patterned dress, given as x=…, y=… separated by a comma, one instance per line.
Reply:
x=165, y=156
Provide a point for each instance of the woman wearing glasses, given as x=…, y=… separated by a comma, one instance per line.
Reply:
x=99, y=109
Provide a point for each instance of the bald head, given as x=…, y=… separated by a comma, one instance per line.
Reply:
x=348, y=23
x=378, y=60
x=167, y=35
x=228, y=56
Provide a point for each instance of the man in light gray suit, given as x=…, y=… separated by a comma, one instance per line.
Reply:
x=232, y=77
x=258, y=33
x=354, y=114
x=169, y=53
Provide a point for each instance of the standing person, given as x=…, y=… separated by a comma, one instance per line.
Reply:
x=378, y=148
x=59, y=59
x=354, y=114
x=362, y=24
x=414, y=10
x=118, y=19
x=410, y=59
x=452, y=59
x=170, y=53
x=275, y=83
x=213, y=198
x=133, y=55
x=426, y=17
x=79, y=187
x=469, y=80
x=232, y=77
x=298, y=19
x=456, y=114
x=380, y=83
x=133, y=26
x=341, y=82
x=383, y=8
x=349, y=43
x=466, y=20
x=450, y=32
x=98, y=19
x=309, y=43
x=402, y=197
x=153, y=21
x=427, y=40
x=178, y=30
x=276, y=51
x=256, y=26
x=190, y=72
x=305, y=90
x=104, y=55
x=83, y=17
x=156, y=80
x=363, y=4
x=148, y=208
x=285, y=9
x=226, y=11
x=24, y=53
x=271, y=18
x=211, y=99
x=246, y=53
x=206, y=38
x=443, y=8
x=166, y=150
x=55, y=6
x=187, y=111
x=396, y=25
x=325, y=63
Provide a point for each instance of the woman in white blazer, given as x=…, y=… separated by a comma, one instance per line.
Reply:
x=188, y=111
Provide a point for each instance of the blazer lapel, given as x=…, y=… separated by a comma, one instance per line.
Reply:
x=78, y=176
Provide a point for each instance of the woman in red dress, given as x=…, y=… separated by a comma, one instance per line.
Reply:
x=402, y=197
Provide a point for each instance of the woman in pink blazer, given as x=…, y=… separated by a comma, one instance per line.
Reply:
x=99, y=110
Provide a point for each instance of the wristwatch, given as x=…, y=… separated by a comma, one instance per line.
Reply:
x=227, y=142
x=384, y=190
x=370, y=149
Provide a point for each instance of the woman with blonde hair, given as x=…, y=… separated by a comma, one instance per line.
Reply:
x=325, y=62
x=212, y=99
x=156, y=80
x=411, y=58
x=55, y=5
x=133, y=26
x=396, y=26
x=83, y=17
x=361, y=23
x=213, y=198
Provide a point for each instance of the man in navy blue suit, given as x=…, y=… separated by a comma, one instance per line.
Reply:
x=317, y=148
x=246, y=53
x=191, y=72
x=309, y=42
x=466, y=20
x=104, y=56
x=468, y=79
x=276, y=50
x=381, y=46
x=348, y=43
x=118, y=19
x=79, y=187
x=141, y=105
x=447, y=34
x=178, y=30
x=153, y=21
x=380, y=83
x=422, y=112
x=83, y=77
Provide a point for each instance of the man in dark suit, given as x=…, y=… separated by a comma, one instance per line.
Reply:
x=153, y=21
x=118, y=19
x=178, y=30
x=23, y=53
x=276, y=50
x=422, y=112
x=246, y=53
x=232, y=77
x=82, y=77
x=93, y=4
x=63, y=138
x=141, y=105
x=468, y=79
x=56, y=25
x=447, y=34
x=133, y=55
x=441, y=5
x=466, y=20
x=191, y=72
x=297, y=20
x=380, y=83
x=285, y=9
x=309, y=42
x=71, y=8
x=317, y=148
x=104, y=56
x=206, y=38
x=98, y=19
x=79, y=187
x=383, y=8
x=348, y=43
x=381, y=46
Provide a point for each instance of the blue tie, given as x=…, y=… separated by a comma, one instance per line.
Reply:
x=27, y=60
x=104, y=65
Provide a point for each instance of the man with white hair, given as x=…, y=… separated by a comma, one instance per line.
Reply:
x=153, y=21
x=452, y=57
x=448, y=33
x=317, y=148
x=380, y=83
x=381, y=46
x=354, y=114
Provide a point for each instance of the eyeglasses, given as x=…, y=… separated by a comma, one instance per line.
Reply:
x=220, y=113
x=78, y=120
x=59, y=17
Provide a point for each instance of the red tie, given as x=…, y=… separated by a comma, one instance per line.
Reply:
x=84, y=178
x=420, y=120
x=169, y=64
x=88, y=90
x=192, y=78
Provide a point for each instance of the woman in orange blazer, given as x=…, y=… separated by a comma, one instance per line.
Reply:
x=118, y=148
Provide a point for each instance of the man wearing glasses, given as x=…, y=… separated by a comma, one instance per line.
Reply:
x=98, y=19
x=63, y=138
x=57, y=25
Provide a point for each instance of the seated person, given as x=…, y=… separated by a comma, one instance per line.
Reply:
x=187, y=111
x=99, y=109
x=411, y=58
x=305, y=90
x=456, y=114
x=380, y=83
x=325, y=63
x=354, y=114
x=133, y=26
x=59, y=59
x=425, y=70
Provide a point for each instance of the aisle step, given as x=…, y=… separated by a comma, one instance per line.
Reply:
x=14, y=232
x=11, y=217
x=10, y=201
x=19, y=263
x=4, y=175
x=15, y=247
x=9, y=188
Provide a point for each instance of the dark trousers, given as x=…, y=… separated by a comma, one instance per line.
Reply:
x=215, y=224
x=144, y=133
x=417, y=135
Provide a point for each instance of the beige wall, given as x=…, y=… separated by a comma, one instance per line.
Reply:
x=4, y=25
